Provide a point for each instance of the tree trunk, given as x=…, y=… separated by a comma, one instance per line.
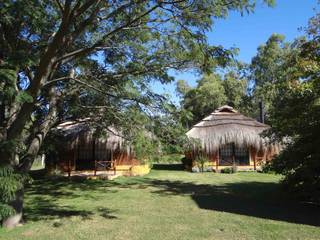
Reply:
x=24, y=165
x=17, y=205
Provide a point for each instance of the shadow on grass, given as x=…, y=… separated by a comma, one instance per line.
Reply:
x=48, y=210
x=107, y=213
x=172, y=167
x=47, y=195
x=256, y=199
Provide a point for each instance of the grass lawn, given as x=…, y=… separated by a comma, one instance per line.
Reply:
x=166, y=204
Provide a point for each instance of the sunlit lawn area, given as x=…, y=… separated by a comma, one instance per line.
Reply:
x=166, y=204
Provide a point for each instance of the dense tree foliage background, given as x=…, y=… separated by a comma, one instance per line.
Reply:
x=295, y=117
x=212, y=91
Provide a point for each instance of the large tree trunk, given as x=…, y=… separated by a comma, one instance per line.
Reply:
x=17, y=205
x=24, y=165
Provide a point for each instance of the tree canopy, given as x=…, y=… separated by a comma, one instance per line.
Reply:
x=295, y=118
x=212, y=91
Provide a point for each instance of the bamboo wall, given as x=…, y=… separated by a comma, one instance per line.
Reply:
x=82, y=152
x=256, y=157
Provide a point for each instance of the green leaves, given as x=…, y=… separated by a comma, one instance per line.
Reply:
x=8, y=78
x=23, y=97
x=295, y=120
x=10, y=183
x=212, y=92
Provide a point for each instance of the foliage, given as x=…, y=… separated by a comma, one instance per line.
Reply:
x=235, y=89
x=295, y=120
x=202, y=100
x=145, y=147
x=267, y=168
x=182, y=88
x=268, y=70
x=10, y=183
x=213, y=91
x=168, y=158
x=201, y=161
x=169, y=130
x=300, y=124
x=229, y=170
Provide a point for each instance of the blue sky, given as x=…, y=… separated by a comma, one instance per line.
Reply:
x=249, y=31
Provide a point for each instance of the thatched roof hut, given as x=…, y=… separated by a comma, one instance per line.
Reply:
x=78, y=147
x=228, y=138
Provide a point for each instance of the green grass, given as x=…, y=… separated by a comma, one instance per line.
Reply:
x=166, y=204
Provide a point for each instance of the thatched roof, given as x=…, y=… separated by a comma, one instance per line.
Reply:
x=70, y=130
x=226, y=125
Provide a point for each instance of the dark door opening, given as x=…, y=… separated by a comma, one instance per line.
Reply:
x=91, y=150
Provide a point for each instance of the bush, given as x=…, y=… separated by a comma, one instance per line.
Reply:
x=229, y=170
x=145, y=148
x=10, y=183
x=187, y=163
x=201, y=161
x=267, y=168
x=167, y=158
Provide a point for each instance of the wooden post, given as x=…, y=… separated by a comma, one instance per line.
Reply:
x=69, y=167
x=233, y=155
x=254, y=159
x=75, y=152
x=93, y=150
x=217, y=160
x=78, y=153
x=113, y=164
x=69, y=170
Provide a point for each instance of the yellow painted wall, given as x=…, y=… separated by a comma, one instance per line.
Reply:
x=140, y=170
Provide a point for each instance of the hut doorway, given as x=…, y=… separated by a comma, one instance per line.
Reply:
x=91, y=150
x=85, y=156
x=231, y=154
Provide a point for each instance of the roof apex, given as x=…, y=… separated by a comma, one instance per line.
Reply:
x=225, y=108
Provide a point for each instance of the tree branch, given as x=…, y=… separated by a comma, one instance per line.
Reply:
x=84, y=51
x=60, y=6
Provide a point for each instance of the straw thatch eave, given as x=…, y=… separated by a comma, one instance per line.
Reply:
x=225, y=125
x=70, y=131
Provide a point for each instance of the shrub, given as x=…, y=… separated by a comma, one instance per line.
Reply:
x=201, y=162
x=267, y=168
x=10, y=183
x=145, y=148
x=168, y=158
x=187, y=163
x=229, y=170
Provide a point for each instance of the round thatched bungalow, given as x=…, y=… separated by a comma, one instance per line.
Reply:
x=229, y=138
x=77, y=148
